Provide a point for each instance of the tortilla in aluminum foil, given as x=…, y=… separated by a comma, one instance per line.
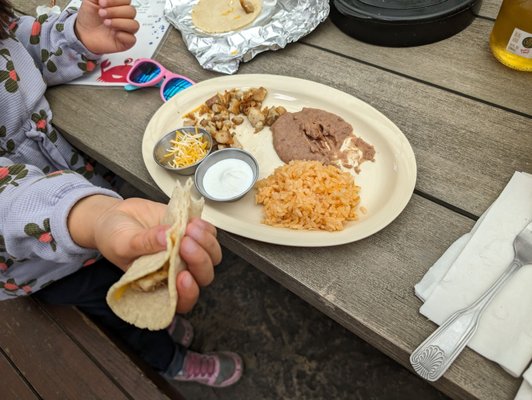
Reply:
x=280, y=22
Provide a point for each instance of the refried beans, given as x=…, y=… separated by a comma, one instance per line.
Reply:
x=314, y=134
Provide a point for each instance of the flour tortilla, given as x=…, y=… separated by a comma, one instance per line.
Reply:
x=155, y=310
x=218, y=16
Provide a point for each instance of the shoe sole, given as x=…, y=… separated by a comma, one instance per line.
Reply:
x=237, y=374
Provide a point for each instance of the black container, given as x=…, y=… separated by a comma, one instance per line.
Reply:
x=402, y=23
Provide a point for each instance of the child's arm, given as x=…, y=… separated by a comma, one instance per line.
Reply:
x=68, y=45
x=54, y=46
x=34, y=209
x=63, y=219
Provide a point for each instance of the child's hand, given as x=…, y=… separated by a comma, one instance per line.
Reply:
x=123, y=230
x=106, y=26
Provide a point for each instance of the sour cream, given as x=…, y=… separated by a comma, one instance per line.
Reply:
x=227, y=179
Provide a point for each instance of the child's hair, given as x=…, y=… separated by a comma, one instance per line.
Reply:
x=6, y=13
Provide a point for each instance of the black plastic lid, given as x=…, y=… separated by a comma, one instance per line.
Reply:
x=401, y=23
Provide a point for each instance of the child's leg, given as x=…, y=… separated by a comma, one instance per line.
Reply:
x=87, y=289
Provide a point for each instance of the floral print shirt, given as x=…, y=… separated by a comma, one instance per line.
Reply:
x=41, y=175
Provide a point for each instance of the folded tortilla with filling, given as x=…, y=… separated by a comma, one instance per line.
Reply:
x=146, y=294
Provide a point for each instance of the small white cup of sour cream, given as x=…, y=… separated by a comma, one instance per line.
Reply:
x=226, y=175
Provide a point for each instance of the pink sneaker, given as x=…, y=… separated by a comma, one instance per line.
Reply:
x=181, y=330
x=218, y=369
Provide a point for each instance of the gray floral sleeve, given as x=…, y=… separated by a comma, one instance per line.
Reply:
x=35, y=244
x=53, y=45
x=41, y=175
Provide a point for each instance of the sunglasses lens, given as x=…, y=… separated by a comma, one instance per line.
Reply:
x=144, y=72
x=174, y=86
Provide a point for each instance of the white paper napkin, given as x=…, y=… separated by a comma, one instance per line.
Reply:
x=525, y=391
x=472, y=264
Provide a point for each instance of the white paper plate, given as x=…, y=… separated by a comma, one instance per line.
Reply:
x=386, y=184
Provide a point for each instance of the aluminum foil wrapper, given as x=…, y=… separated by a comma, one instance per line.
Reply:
x=279, y=23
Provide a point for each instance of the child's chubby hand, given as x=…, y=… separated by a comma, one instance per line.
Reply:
x=123, y=230
x=107, y=26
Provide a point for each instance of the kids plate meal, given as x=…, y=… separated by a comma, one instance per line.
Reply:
x=331, y=168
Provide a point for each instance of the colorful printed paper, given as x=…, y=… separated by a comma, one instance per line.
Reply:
x=113, y=69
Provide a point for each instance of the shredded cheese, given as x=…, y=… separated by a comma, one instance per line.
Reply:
x=186, y=149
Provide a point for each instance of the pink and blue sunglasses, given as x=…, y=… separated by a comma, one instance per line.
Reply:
x=147, y=72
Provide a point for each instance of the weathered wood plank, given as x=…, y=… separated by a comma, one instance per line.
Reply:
x=34, y=343
x=490, y=8
x=462, y=63
x=105, y=353
x=367, y=287
x=12, y=386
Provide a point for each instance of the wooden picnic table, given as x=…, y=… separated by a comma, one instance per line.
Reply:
x=468, y=119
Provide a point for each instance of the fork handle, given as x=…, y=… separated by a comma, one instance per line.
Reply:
x=434, y=356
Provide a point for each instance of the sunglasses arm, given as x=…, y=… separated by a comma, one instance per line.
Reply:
x=130, y=88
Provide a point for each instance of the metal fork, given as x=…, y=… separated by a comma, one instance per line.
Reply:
x=432, y=358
